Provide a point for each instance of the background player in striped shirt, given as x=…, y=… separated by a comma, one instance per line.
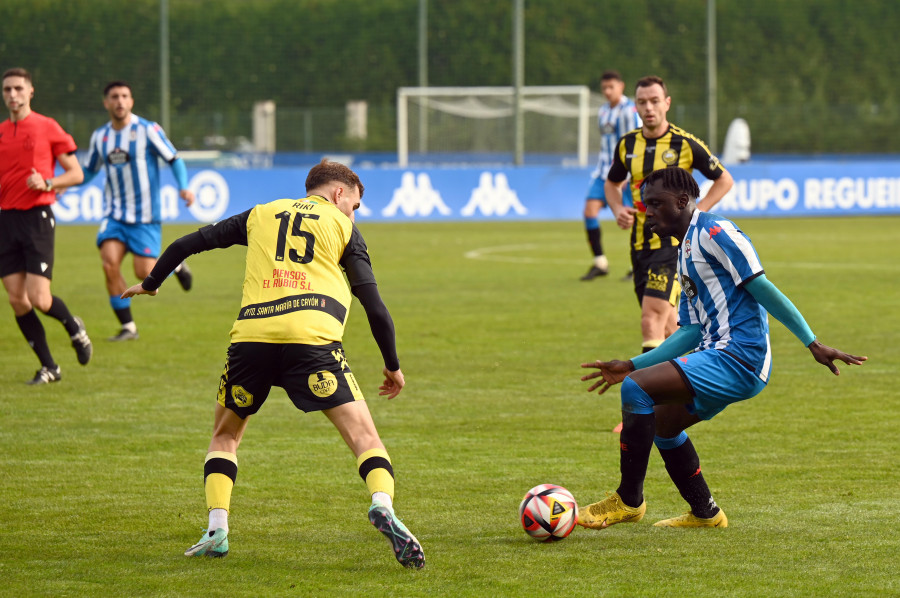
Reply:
x=129, y=148
x=615, y=118
x=657, y=144
x=725, y=335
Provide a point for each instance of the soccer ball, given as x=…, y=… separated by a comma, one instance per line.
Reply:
x=548, y=512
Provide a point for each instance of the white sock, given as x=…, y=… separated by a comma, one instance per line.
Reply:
x=218, y=518
x=130, y=326
x=383, y=498
x=601, y=262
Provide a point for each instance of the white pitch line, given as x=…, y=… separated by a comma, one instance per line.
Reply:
x=489, y=254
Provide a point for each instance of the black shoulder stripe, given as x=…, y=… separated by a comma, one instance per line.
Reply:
x=677, y=145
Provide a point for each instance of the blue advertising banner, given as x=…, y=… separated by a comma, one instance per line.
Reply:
x=770, y=189
x=812, y=188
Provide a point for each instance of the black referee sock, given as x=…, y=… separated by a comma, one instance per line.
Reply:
x=635, y=444
x=33, y=331
x=683, y=465
x=59, y=311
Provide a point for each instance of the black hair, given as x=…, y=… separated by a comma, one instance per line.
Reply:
x=327, y=171
x=651, y=80
x=676, y=180
x=18, y=72
x=113, y=84
x=611, y=75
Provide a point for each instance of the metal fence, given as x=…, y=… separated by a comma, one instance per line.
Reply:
x=807, y=77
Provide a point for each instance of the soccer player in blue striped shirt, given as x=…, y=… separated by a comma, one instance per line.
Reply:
x=129, y=148
x=616, y=117
x=720, y=355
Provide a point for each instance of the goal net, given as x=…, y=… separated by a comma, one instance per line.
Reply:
x=477, y=124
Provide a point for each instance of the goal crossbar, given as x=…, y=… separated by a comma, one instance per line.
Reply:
x=581, y=110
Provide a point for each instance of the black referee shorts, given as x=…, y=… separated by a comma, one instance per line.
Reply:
x=27, y=239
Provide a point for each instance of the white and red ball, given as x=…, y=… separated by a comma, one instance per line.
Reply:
x=548, y=512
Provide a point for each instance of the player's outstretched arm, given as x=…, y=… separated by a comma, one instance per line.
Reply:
x=682, y=341
x=392, y=385
x=228, y=232
x=777, y=304
x=138, y=290
x=610, y=372
x=828, y=355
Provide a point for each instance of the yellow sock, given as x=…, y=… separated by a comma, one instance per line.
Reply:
x=375, y=469
x=650, y=345
x=219, y=472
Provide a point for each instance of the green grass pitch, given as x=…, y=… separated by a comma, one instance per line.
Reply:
x=102, y=473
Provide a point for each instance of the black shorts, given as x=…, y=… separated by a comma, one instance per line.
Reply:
x=26, y=241
x=655, y=273
x=315, y=377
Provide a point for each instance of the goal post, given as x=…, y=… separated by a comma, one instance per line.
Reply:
x=432, y=121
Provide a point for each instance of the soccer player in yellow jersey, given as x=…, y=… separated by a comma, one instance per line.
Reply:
x=657, y=144
x=288, y=333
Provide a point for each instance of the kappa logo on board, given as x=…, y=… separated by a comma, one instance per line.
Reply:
x=415, y=197
x=493, y=197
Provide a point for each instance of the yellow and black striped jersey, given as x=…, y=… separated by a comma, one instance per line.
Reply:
x=638, y=156
x=294, y=288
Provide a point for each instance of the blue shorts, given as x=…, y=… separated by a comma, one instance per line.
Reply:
x=597, y=192
x=143, y=239
x=717, y=380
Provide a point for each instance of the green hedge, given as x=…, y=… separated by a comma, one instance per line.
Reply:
x=808, y=77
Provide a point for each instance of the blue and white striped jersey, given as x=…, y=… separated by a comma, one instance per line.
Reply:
x=715, y=260
x=131, y=158
x=614, y=123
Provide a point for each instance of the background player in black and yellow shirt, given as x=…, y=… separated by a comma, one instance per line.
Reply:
x=288, y=333
x=657, y=144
